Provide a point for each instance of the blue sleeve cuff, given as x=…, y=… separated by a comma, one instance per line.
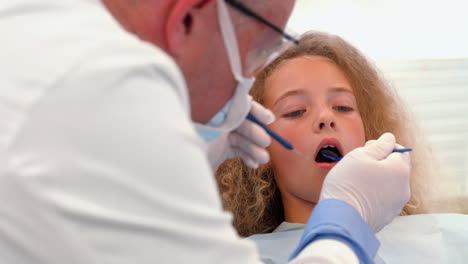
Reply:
x=335, y=219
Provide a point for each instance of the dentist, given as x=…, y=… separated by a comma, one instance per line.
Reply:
x=100, y=160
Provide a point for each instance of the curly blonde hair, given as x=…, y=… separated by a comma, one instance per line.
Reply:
x=252, y=194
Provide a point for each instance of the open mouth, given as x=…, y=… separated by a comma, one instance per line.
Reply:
x=329, y=150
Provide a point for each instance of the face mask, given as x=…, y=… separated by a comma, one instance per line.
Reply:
x=237, y=108
x=218, y=124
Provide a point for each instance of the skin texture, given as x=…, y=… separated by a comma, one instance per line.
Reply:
x=311, y=110
x=188, y=30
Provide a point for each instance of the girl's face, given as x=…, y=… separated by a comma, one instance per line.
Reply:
x=315, y=107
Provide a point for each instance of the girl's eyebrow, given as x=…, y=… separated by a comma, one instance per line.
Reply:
x=288, y=94
x=302, y=92
x=340, y=89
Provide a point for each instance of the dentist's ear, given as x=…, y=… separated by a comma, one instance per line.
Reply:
x=185, y=18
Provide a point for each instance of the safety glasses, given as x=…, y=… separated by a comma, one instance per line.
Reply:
x=268, y=50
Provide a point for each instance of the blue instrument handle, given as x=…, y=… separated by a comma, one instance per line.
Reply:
x=402, y=150
x=270, y=132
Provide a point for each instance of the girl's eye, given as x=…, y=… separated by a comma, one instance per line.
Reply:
x=296, y=113
x=342, y=108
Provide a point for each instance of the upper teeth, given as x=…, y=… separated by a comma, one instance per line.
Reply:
x=329, y=146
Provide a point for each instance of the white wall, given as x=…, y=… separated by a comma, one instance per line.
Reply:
x=391, y=29
x=437, y=92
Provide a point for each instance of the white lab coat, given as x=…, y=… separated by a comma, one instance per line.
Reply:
x=99, y=160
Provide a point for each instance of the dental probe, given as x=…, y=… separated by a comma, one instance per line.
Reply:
x=277, y=137
x=333, y=156
x=328, y=154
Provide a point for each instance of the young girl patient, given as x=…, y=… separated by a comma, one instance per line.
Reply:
x=325, y=95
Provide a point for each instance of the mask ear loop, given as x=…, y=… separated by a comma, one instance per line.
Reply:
x=240, y=101
x=230, y=40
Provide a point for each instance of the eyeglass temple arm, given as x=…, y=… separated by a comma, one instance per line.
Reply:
x=239, y=6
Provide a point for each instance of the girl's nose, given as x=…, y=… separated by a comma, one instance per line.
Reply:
x=325, y=120
x=327, y=123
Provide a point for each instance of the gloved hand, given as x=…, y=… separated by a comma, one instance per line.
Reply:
x=373, y=180
x=248, y=141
